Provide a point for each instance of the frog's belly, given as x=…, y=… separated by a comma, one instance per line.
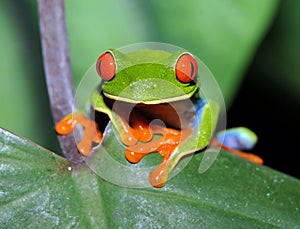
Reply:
x=177, y=115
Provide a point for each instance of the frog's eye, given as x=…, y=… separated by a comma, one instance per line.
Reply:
x=106, y=66
x=186, y=68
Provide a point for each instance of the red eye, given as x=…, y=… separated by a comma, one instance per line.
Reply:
x=106, y=66
x=186, y=68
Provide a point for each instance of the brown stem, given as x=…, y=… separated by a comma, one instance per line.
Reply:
x=57, y=68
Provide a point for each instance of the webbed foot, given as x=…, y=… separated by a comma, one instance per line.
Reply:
x=91, y=133
x=165, y=146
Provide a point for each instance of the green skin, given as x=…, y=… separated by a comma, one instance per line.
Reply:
x=148, y=77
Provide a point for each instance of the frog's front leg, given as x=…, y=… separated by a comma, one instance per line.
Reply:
x=134, y=130
x=165, y=145
x=91, y=132
x=203, y=128
x=139, y=129
x=175, y=144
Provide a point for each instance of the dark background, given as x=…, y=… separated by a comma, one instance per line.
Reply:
x=266, y=101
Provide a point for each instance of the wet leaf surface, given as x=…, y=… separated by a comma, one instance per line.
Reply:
x=38, y=189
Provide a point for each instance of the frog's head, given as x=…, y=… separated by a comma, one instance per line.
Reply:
x=148, y=76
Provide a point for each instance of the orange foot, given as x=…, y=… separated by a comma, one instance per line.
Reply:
x=91, y=132
x=165, y=146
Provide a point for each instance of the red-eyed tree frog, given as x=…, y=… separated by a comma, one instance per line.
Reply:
x=145, y=85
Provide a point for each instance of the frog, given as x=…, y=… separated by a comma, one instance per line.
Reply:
x=140, y=87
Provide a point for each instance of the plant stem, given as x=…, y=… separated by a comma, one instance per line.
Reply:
x=57, y=68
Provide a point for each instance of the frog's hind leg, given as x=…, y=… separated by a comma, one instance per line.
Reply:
x=236, y=139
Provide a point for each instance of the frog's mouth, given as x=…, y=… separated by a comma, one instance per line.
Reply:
x=147, y=102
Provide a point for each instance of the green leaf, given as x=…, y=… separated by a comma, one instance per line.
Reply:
x=38, y=190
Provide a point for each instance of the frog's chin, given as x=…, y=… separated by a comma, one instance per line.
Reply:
x=150, y=101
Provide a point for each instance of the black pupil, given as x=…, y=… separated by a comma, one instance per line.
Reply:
x=192, y=69
x=99, y=67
